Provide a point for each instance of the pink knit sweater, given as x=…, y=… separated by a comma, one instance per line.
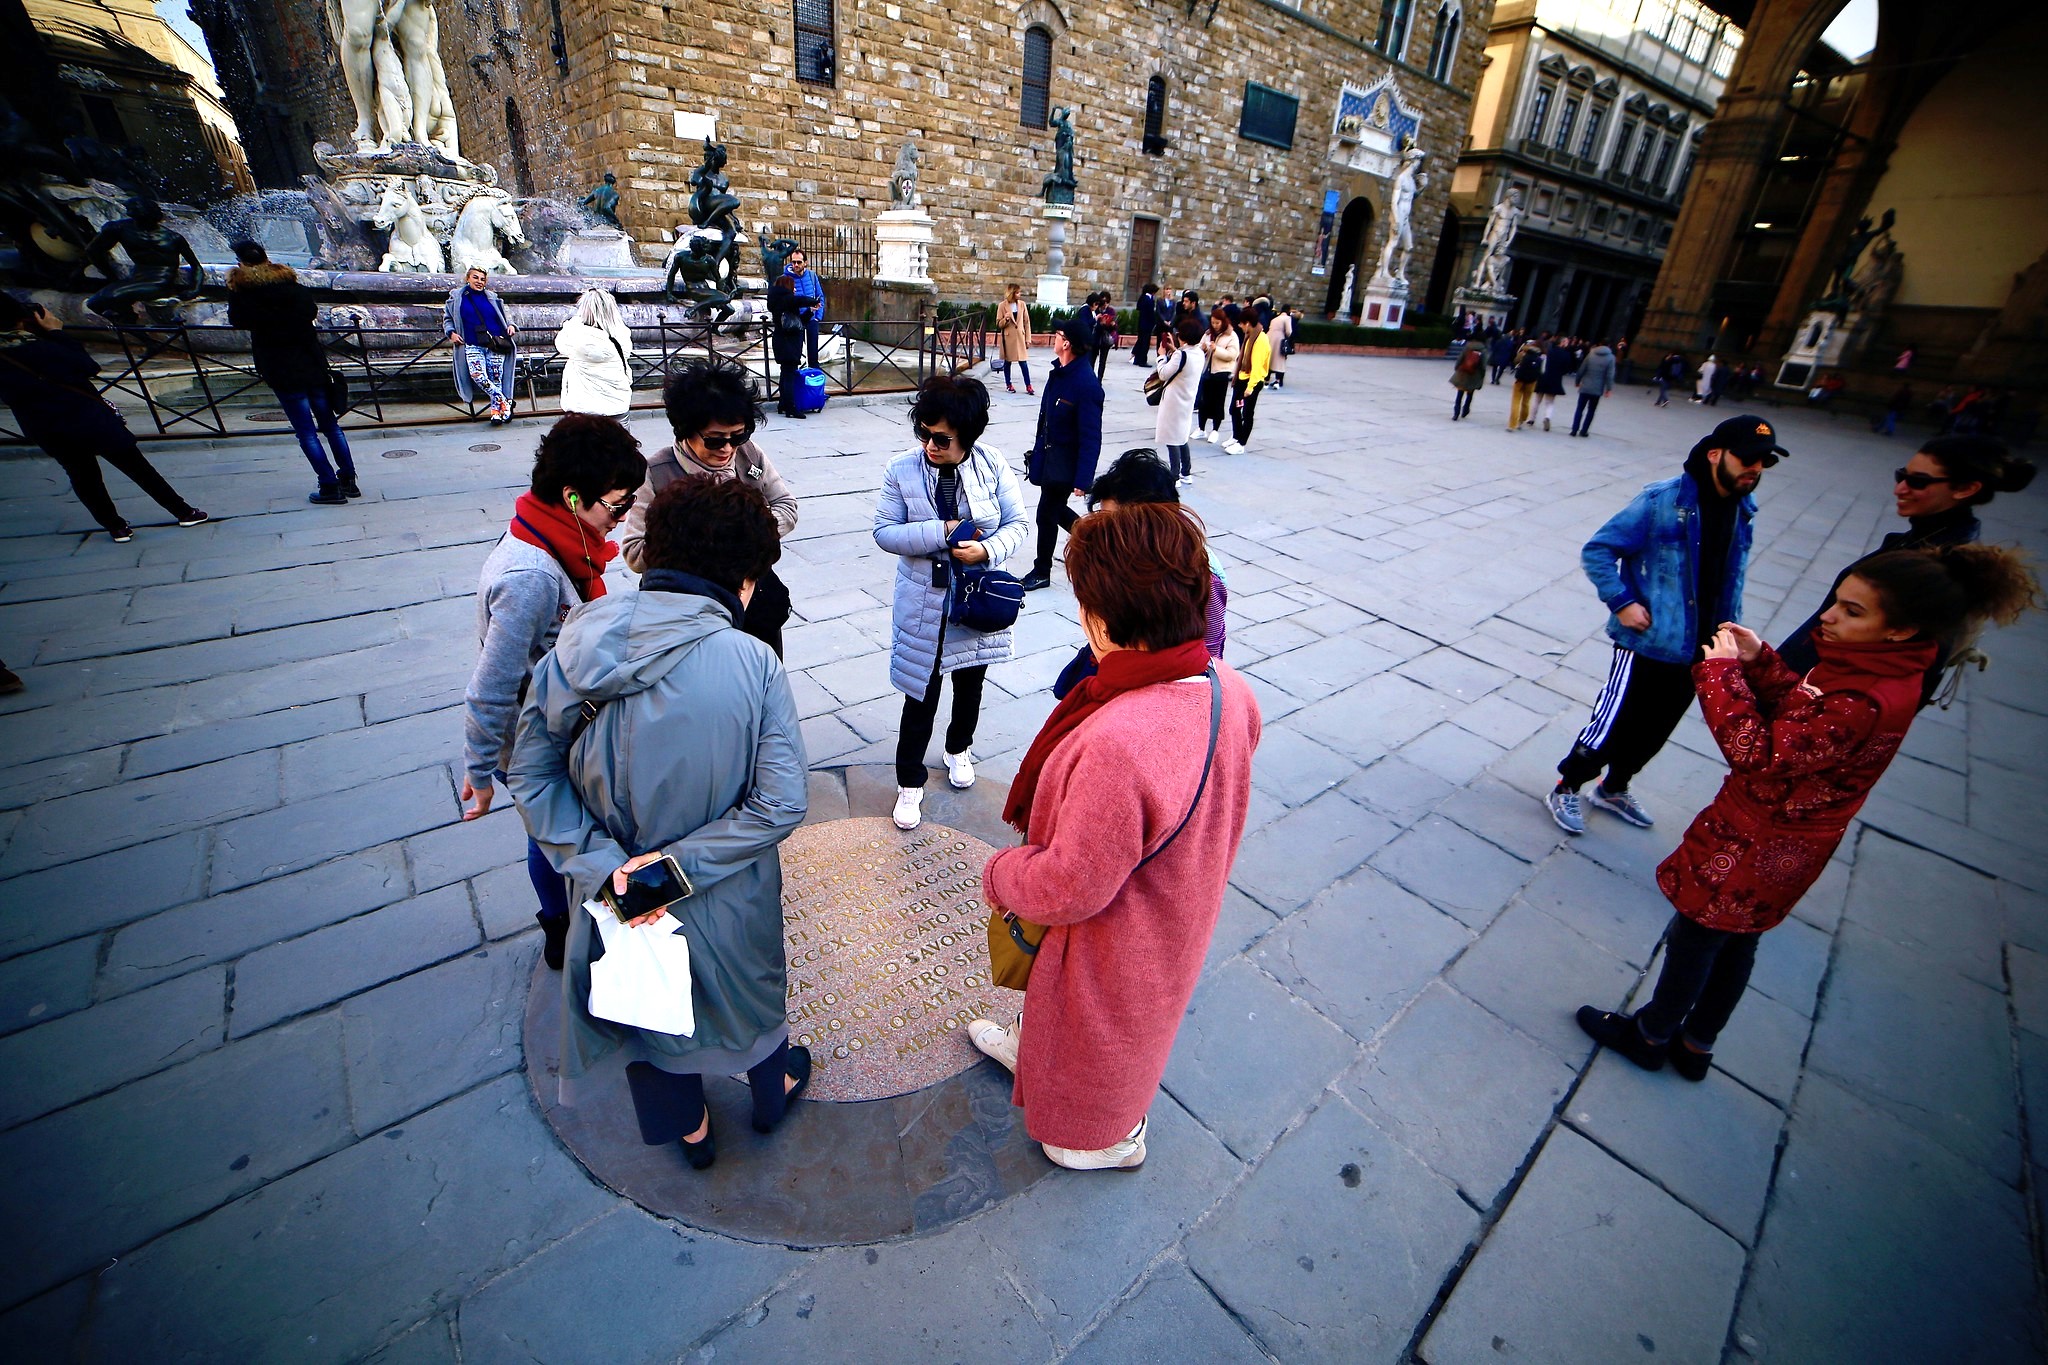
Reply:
x=1114, y=974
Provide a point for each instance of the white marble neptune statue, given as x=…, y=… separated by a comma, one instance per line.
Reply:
x=391, y=60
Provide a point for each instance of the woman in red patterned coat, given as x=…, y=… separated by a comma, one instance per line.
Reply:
x=1803, y=753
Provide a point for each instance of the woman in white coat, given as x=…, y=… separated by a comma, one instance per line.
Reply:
x=1179, y=370
x=598, y=347
x=927, y=493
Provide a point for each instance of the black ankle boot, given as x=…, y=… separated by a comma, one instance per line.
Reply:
x=701, y=1154
x=1694, y=1066
x=798, y=1068
x=555, y=939
x=1620, y=1033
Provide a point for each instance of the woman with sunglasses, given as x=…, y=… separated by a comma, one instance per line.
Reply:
x=927, y=494
x=551, y=559
x=1937, y=492
x=713, y=414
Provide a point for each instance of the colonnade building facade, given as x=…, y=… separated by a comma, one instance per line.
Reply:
x=1592, y=110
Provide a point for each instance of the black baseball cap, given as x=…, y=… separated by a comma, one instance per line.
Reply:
x=1079, y=329
x=1750, y=437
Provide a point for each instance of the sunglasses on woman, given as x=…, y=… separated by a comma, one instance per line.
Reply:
x=937, y=440
x=621, y=507
x=1915, y=480
x=722, y=441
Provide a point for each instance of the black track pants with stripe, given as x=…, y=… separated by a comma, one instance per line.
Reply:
x=1638, y=709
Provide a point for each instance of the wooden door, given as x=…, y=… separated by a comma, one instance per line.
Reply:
x=1144, y=263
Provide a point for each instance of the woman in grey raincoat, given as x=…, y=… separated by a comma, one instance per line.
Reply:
x=693, y=752
x=926, y=494
x=476, y=322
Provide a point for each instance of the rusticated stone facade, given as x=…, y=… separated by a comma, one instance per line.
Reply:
x=1232, y=214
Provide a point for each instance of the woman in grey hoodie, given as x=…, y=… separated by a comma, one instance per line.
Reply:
x=658, y=728
x=550, y=561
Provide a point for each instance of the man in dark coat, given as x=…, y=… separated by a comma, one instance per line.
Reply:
x=1148, y=323
x=1063, y=458
x=267, y=301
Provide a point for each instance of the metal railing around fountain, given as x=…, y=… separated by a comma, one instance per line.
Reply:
x=199, y=383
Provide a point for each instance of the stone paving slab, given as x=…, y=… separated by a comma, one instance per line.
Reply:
x=1579, y=1271
x=274, y=698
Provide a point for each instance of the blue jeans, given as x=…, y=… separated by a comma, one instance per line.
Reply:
x=811, y=340
x=309, y=411
x=549, y=886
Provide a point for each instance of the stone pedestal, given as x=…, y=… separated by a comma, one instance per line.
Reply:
x=1486, y=308
x=595, y=250
x=1819, y=344
x=1386, y=302
x=896, y=301
x=903, y=247
x=1052, y=285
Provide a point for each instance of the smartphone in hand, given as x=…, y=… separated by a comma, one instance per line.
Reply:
x=648, y=889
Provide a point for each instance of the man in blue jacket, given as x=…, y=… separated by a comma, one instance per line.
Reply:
x=810, y=293
x=1670, y=567
x=1063, y=458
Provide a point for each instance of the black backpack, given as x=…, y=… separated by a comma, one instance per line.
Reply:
x=1530, y=369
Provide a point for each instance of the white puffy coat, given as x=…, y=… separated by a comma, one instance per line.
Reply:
x=599, y=375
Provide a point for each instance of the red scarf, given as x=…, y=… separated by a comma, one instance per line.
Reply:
x=1124, y=670
x=579, y=550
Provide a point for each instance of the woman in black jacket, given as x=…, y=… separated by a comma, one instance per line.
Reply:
x=787, y=341
x=268, y=302
x=46, y=377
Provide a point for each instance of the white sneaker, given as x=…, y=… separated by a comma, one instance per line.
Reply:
x=909, y=812
x=993, y=1040
x=1213, y=436
x=1118, y=1156
x=1232, y=448
x=960, y=771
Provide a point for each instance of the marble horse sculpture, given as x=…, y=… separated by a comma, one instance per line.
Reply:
x=474, y=244
x=413, y=248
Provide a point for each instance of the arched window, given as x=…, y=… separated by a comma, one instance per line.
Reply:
x=1443, y=43
x=1037, y=103
x=1155, y=116
x=1394, y=21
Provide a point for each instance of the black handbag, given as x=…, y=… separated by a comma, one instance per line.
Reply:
x=981, y=598
x=337, y=394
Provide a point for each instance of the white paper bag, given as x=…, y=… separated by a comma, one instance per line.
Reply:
x=643, y=979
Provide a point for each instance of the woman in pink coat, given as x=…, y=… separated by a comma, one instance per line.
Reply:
x=1132, y=800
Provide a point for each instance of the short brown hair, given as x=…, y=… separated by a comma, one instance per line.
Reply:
x=1143, y=570
x=720, y=529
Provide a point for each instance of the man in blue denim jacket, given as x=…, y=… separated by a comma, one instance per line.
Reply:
x=1670, y=567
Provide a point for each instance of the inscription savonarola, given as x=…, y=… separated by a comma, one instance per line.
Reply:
x=888, y=954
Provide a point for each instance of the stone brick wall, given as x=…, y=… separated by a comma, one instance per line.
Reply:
x=1236, y=216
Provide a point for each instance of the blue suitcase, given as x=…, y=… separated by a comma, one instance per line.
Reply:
x=810, y=390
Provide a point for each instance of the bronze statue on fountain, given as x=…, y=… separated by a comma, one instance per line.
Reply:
x=161, y=258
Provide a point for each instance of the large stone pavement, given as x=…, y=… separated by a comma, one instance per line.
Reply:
x=260, y=991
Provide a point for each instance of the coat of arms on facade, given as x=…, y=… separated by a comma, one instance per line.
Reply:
x=1371, y=123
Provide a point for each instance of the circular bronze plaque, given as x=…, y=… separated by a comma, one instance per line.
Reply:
x=888, y=954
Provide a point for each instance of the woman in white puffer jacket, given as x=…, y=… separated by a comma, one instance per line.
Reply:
x=598, y=347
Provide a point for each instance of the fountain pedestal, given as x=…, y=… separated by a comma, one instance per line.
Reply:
x=1052, y=285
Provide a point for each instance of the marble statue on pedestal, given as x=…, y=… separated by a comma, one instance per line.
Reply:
x=1345, y=306
x=1842, y=285
x=391, y=60
x=1058, y=186
x=161, y=257
x=601, y=205
x=1401, y=192
x=903, y=180
x=1490, y=275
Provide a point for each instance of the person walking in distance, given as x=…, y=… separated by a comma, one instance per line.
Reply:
x=1013, y=326
x=1500, y=352
x=46, y=378
x=1528, y=369
x=1670, y=370
x=1467, y=377
x=1254, y=366
x=1220, y=346
x=1560, y=361
x=810, y=293
x=1148, y=323
x=1281, y=333
x=268, y=302
x=1803, y=753
x=1063, y=458
x=1670, y=567
x=1596, y=381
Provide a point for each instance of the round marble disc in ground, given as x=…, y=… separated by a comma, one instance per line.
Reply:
x=888, y=954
